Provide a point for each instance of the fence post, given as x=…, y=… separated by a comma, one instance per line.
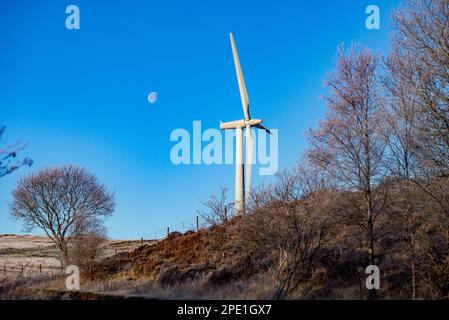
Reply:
x=22, y=270
x=168, y=231
x=197, y=223
x=141, y=241
x=40, y=268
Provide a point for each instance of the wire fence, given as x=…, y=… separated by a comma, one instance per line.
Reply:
x=29, y=270
x=193, y=224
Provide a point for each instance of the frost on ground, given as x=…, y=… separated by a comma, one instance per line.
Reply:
x=27, y=255
x=29, y=262
x=12, y=241
x=33, y=255
x=24, y=266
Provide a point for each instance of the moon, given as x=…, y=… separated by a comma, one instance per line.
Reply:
x=152, y=97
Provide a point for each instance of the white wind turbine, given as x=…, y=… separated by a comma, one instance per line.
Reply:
x=242, y=185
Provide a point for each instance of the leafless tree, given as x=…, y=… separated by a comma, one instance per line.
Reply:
x=61, y=201
x=401, y=131
x=216, y=209
x=418, y=82
x=87, y=245
x=300, y=217
x=8, y=162
x=422, y=36
x=287, y=227
x=347, y=143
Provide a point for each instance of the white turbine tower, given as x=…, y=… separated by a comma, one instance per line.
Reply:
x=242, y=185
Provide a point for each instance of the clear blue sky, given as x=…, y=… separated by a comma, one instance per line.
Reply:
x=80, y=96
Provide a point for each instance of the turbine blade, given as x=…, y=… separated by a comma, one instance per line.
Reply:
x=248, y=162
x=241, y=81
x=262, y=127
x=232, y=124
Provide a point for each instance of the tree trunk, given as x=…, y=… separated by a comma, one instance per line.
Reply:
x=59, y=242
x=65, y=253
x=369, y=201
x=411, y=231
x=370, y=233
x=65, y=257
x=413, y=267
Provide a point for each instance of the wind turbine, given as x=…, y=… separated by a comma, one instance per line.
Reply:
x=242, y=185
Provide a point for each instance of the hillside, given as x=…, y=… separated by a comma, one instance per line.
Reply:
x=288, y=246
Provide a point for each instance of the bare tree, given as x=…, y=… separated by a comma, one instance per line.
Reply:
x=299, y=207
x=419, y=75
x=217, y=209
x=288, y=228
x=422, y=35
x=61, y=201
x=87, y=245
x=401, y=126
x=347, y=143
x=8, y=162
